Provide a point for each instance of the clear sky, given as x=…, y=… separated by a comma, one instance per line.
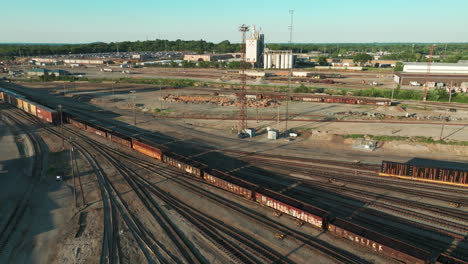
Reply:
x=54, y=21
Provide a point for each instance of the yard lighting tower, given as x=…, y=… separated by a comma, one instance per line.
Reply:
x=291, y=12
x=241, y=99
x=429, y=62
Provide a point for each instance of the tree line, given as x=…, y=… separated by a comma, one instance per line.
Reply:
x=399, y=51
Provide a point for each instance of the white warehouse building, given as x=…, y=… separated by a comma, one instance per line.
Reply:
x=436, y=68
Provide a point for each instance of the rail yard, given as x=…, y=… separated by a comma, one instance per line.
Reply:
x=176, y=186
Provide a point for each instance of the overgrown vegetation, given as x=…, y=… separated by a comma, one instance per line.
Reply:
x=418, y=139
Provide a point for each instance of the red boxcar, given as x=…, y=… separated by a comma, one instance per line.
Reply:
x=304, y=212
x=230, y=183
x=340, y=100
x=47, y=114
x=378, y=242
x=146, y=149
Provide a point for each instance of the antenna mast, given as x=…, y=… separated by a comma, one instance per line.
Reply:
x=291, y=12
x=241, y=99
x=429, y=62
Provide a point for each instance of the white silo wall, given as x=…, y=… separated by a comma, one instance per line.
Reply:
x=277, y=61
x=283, y=61
x=291, y=61
x=286, y=61
x=265, y=61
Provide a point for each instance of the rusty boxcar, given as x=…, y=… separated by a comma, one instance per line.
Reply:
x=378, y=242
x=46, y=114
x=146, y=149
x=304, y=212
x=120, y=139
x=99, y=132
x=230, y=183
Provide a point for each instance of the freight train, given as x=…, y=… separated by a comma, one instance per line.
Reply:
x=425, y=174
x=322, y=98
x=282, y=204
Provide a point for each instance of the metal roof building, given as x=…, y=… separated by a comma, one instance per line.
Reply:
x=436, y=68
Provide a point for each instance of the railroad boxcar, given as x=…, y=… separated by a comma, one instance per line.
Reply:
x=230, y=183
x=29, y=107
x=439, y=174
x=395, y=168
x=378, y=242
x=98, y=131
x=446, y=259
x=183, y=163
x=147, y=149
x=47, y=114
x=19, y=103
x=284, y=204
x=120, y=139
x=312, y=99
x=77, y=123
x=339, y=100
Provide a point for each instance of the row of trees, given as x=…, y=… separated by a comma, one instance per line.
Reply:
x=399, y=51
x=205, y=64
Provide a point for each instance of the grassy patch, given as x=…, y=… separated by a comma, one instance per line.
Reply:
x=418, y=139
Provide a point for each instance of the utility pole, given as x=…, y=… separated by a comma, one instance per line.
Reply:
x=73, y=173
x=134, y=107
x=161, y=95
x=61, y=125
x=291, y=12
x=393, y=91
x=450, y=91
x=429, y=62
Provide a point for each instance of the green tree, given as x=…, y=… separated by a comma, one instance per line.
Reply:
x=322, y=61
x=399, y=67
x=362, y=58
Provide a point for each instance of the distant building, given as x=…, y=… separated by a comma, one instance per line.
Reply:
x=84, y=61
x=444, y=68
x=207, y=57
x=447, y=73
x=38, y=72
x=254, y=47
x=59, y=72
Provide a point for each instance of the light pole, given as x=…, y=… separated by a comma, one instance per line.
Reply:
x=134, y=110
x=61, y=125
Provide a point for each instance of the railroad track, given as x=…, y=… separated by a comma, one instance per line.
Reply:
x=23, y=204
x=201, y=223
x=150, y=166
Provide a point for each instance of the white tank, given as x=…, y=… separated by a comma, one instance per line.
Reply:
x=265, y=61
x=283, y=60
x=291, y=61
x=286, y=61
x=278, y=61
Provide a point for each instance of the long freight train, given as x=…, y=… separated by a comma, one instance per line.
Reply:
x=425, y=174
x=303, y=212
x=322, y=98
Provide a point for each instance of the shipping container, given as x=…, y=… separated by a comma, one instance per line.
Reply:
x=146, y=149
x=230, y=183
x=378, y=242
x=47, y=114
x=304, y=212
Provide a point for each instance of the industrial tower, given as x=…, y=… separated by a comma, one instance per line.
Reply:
x=241, y=99
x=429, y=62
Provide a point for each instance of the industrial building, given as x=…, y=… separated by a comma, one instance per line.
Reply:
x=207, y=57
x=254, y=47
x=447, y=73
x=278, y=59
x=436, y=68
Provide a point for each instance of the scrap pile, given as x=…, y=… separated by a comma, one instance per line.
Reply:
x=221, y=101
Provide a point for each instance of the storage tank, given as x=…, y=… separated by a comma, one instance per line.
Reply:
x=277, y=61
x=283, y=61
x=265, y=61
x=291, y=61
